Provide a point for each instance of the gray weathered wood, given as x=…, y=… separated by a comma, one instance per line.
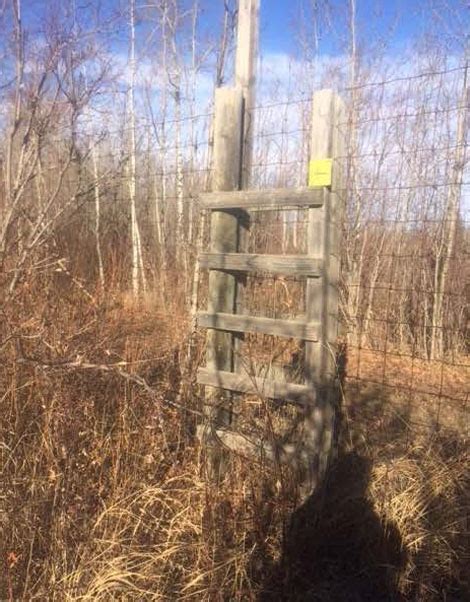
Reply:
x=224, y=229
x=274, y=198
x=255, y=448
x=322, y=294
x=240, y=323
x=324, y=238
x=245, y=75
x=289, y=265
x=225, y=314
x=242, y=383
x=224, y=226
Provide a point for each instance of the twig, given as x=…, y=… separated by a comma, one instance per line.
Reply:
x=115, y=368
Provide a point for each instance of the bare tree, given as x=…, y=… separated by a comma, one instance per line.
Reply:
x=446, y=245
x=96, y=176
x=44, y=123
x=139, y=281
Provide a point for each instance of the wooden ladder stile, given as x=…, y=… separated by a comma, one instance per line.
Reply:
x=318, y=329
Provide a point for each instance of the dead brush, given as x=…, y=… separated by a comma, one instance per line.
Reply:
x=102, y=497
x=103, y=489
x=180, y=540
x=425, y=493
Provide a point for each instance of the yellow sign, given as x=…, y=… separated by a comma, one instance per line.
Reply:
x=319, y=172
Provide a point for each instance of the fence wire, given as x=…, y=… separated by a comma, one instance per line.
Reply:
x=406, y=239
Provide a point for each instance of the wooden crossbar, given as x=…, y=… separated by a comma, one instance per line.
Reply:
x=274, y=198
x=226, y=317
x=242, y=383
x=289, y=265
x=307, y=331
x=253, y=447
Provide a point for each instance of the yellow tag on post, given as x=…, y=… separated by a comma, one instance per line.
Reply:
x=319, y=172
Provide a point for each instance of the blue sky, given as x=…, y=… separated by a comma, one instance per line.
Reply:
x=397, y=21
x=280, y=20
x=388, y=27
x=400, y=23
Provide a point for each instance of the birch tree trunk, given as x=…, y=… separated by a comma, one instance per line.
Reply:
x=180, y=242
x=449, y=226
x=138, y=274
x=192, y=112
x=99, y=255
x=354, y=267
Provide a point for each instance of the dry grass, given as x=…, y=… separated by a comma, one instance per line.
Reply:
x=424, y=494
x=428, y=395
x=103, y=495
x=448, y=377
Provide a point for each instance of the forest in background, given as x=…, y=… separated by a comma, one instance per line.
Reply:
x=106, y=117
x=114, y=151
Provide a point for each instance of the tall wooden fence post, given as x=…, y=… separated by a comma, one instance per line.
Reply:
x=324, y=232
x=245, y=79
x=227, y=264
x=224, y=235
x=245, y=75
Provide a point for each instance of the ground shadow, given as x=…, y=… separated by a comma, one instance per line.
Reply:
x=336, y=548
x=340, y=547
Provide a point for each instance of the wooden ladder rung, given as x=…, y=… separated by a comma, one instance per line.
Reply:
x=275, y=198
x=307, y=331
x=289, y=265
x=251, y=446
x=300, y=394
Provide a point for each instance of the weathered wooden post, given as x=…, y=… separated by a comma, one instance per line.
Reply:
x=233, y=134
x=245, y=75
x=224, y=235
x=245, y=79
x=224, y=374
x=324, y=232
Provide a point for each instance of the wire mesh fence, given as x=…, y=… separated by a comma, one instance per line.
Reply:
x=405, y=256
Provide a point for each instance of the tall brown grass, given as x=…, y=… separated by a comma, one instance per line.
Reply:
x=103, y=494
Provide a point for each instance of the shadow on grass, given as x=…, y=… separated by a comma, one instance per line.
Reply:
x=343, y=544
x=336, y=548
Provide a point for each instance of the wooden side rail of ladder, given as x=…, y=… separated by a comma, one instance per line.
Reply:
x=227, y=322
